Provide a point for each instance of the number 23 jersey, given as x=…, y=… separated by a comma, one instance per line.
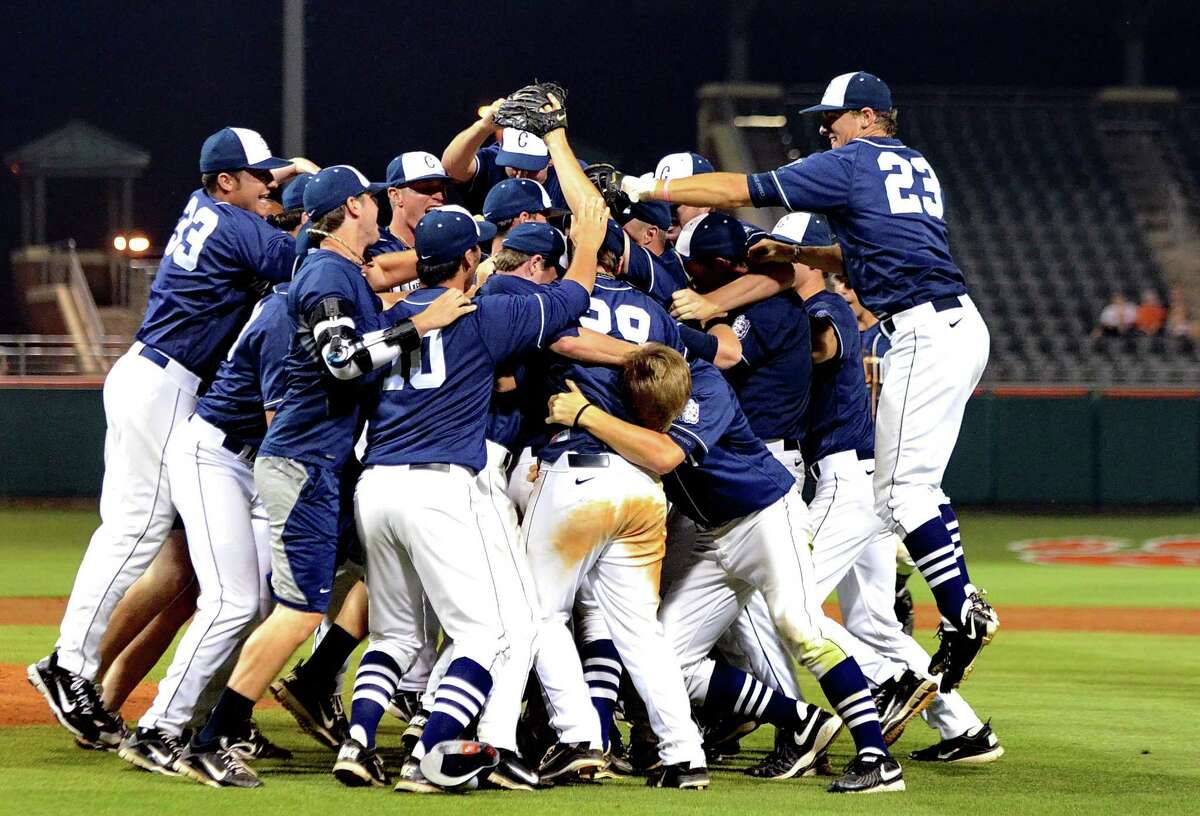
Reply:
x=885, y=204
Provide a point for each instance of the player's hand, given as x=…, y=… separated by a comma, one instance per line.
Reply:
x=505, y=384
x=484, y=271
x=303, y=165
x=688, y=304
x=768, y=250
x=588, y=226
x=638, y=187
x=565, y=407
x=534, y=471
x=448, y=307
x=488, y=111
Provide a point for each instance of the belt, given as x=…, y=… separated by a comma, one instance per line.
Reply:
x=440, y=467
x=214, y=435
x=939, y=305
x=155, y=356
x=238, y=448
x=587, y=460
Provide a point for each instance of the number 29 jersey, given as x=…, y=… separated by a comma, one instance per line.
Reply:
x=885, y=204
x=204, y=288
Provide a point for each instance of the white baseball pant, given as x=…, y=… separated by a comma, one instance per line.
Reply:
x=605, y=526
x=144, y=403
x=228, y=535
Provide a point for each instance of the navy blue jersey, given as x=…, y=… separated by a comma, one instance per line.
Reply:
x=204, y=288
x=658, y=277
x=621, y=311
x=874, y=341
x=318, y=419
x=885, y=205
x=727, y=472
x=250, y=379
x=488, y=174
x=434, y=403
x=388, y=242
x=840, y=411
x=515, y=416
x=772, y=380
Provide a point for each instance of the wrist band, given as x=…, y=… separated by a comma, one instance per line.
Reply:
x=575, y=424
x=666, y=191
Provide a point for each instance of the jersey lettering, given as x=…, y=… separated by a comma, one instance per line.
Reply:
x=899, y=182
x=633, y=322
x=422, y=369
x=185, y=244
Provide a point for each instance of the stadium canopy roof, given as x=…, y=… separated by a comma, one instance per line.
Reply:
x=78, y=150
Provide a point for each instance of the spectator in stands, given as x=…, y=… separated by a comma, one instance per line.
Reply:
x=1117, y=318
x=1151, y=314
x=1179, y=322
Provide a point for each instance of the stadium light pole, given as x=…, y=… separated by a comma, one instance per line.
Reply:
x=293, y=77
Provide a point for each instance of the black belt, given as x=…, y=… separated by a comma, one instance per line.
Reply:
x=587, y=460
x=155, y=356
x=238, y=448
x=939, y=305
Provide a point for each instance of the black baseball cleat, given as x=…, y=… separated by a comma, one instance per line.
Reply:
x=796, y=752
x=216, y=767
x=411, y=780
x=903, y=606
x=723, y=740
x=684, y=777
x=404, y=705
x=511, y=773
x=75, y=703
x=955, y=657
x=898, y=699
x=979, y=748
x=358, y=766
x=412, y=734
x=319, y=714
x=643, y=748
x=152, y=750
x=255, y=745
x=569, y=757
x=870, y=773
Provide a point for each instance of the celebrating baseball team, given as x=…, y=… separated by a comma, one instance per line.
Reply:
x=543, y=441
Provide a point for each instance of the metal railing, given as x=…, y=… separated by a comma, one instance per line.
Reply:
x=25, y=355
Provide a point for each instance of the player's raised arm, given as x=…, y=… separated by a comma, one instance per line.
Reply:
x=725, y=191
x=459, y=156
x=587, y=234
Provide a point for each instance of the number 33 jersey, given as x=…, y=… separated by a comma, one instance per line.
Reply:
x=203, y=290
x=885, y=204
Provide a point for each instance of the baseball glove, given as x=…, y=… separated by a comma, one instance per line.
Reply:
x=607, y=180
x=530, y=109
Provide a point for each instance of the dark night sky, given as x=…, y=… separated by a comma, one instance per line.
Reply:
x=386, y=77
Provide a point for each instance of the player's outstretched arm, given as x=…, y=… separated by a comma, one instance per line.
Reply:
x=391, y=269
x=641, y=446
x=459, y=156
x=725, y=191
x=826, y=258
x=576, y=188
x=298, y=166
x=593, y=347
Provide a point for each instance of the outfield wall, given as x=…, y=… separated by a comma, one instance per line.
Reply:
x=1018, y=446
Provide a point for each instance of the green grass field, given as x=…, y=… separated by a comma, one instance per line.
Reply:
x=1091, y=722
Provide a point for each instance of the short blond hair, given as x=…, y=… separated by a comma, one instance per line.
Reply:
x=658, y=383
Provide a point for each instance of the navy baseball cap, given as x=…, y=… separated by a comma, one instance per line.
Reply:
x=293, y=194
x=538, y=239
x=854, y=91
x=416, y=165
x=681, y=165
x=329, y=189
x=614, y=238
x=445, y=233
x=802, y=229
x=712, y=235
x=511, y=197
x=657, y=213
x=522, y=150
x=235, y=148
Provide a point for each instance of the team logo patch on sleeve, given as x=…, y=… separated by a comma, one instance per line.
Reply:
x=691, y=412
x=741, y=326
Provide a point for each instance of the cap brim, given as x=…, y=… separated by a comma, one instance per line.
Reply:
x=269, y=163
x=521, y=161
x=776, y=237
x=400, y=183
x=823, y=108
x=376, y=187
x=487, y=230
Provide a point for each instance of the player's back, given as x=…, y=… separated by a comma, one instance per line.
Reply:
x=626, y=313
x=205, y=285
x=433, y=404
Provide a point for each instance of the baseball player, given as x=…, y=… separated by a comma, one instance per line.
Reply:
x=679, y=166
x=336, y=341
x=416, y=184
x=517, y=201
x=750, y=522
x=885, y=204
x=198, y=302
x=209, y=463
x=426, y=442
